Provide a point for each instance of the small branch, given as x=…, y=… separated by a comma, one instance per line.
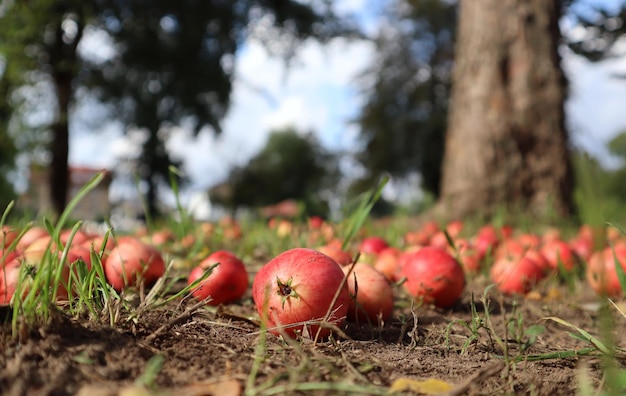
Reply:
x=180, y=318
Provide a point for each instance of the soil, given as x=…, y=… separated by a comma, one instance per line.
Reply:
x=186, y=349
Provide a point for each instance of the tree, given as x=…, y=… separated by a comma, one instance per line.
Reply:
x=602, y=30
x=8, y=150
x=403, y=121
x=173, y=63
x=290, y=166
x=40, y=41
x=506, y=143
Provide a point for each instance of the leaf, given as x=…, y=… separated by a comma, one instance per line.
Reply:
x=430, y=386
x=535, y=330
x=226, y=387
x=582, y=333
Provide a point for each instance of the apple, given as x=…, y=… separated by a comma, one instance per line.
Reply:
x=372, y=245
x=132, y=261
x=371, y=294
x=295, y=291
x=558, y=252
x=30, y=236
x=387, y=262
x=515, y=274
x=7, y=236
x=227, y=282
x=486, y=239
x=601, y=273
x=335, y=252
x=434, y=276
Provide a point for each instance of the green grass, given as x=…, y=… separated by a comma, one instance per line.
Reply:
x=510, y=337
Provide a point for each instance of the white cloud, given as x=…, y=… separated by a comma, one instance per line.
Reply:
x=596, y=106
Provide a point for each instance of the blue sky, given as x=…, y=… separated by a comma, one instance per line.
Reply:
x=318, y=94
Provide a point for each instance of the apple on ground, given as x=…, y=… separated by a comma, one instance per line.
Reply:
x=294, y=293
x=371, y=294
x=433, y=275
x=227, y=282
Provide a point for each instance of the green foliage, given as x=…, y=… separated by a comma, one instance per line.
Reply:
x=403, y=120
x=602, y=27
x=172, y=64
x=290, y=166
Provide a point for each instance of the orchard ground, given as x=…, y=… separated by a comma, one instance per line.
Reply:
x=485, y=344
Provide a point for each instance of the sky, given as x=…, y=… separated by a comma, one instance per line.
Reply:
x=318, y=93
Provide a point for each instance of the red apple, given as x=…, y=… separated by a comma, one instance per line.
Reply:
x=371, y=294
x=372, y=245
x=30, y=236
x=227, y=282
x=433, y=275
x=387, y=263
x=558, y=252
x=515, y=275
x=131, y=261
x=294, y=291
x=601, y=273
x=335, y=252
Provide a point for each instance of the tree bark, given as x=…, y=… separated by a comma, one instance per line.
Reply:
x=63, y=61
x=506, y=144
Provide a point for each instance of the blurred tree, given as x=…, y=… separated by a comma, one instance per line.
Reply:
x=506, y=143
x=290, y=166
x=39, y=41
x=8, y=150
x=601, y=30
x=173, y=63
x=403, y=120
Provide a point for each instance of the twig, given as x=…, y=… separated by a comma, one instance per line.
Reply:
x=180, y=318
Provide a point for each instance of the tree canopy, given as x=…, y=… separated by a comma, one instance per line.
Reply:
x=172, y=62
x=403, y=120
x=292, y=165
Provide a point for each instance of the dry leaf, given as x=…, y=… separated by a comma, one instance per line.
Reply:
x=429, y=386
x=229, y=387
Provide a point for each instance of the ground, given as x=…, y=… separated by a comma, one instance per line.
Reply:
x=183, y=348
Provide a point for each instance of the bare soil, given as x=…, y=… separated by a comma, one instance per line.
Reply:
x=213, y=351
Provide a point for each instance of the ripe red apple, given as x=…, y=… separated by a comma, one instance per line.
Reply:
x=79, y=237
x=372, y=245
x=454, y=228
x=371, y=294
x=9, y=276
x=227, y=282
x=30, y=236
x=335, y=252
x=433, y=275
x=486, y=239
x=557, y=251
x=133, y=260
x=315, y=222
x=387, y=263
x=601, y=273
x=294, y=291
x=7, y=236
x=439, y=240
x=515, y=274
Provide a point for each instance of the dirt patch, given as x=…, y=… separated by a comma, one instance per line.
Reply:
x=209, y=351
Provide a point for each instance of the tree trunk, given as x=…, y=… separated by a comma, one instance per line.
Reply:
x=59, y=168
x=63, y=60
x=506, y=144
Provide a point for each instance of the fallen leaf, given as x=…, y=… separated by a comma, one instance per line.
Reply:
x=429, y=386
x=229, y=387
